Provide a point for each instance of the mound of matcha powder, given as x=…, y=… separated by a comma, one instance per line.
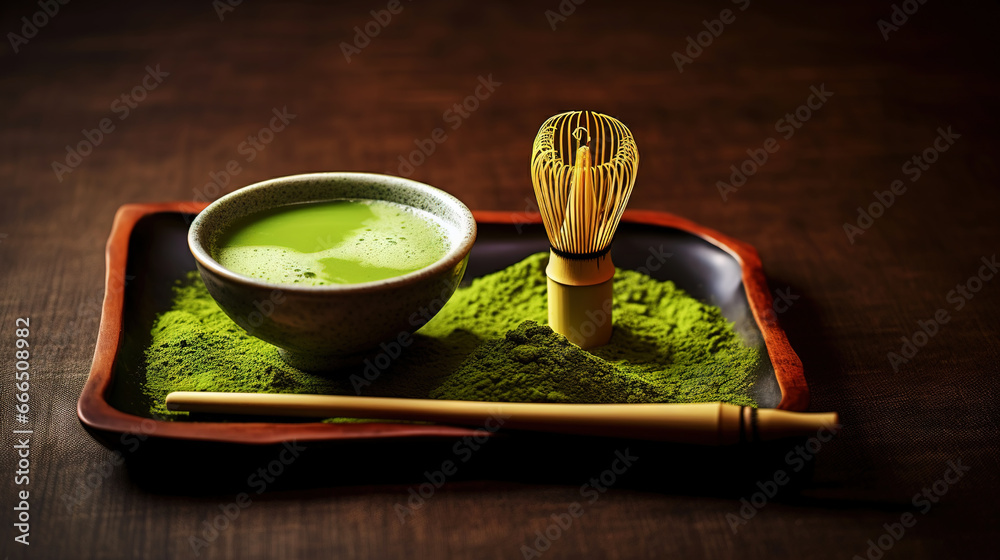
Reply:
x=489, y=342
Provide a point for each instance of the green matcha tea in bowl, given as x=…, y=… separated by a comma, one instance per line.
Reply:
x=328, y=266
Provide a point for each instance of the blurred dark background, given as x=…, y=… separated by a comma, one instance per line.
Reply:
x=219, y=75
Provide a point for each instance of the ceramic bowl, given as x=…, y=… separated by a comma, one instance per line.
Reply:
x=326, y=327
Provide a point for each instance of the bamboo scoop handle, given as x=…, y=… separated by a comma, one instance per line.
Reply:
x=698, y=423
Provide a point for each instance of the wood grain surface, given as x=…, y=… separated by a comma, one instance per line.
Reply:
x=849, y=301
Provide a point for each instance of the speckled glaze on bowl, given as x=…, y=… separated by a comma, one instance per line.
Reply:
x=321, y=328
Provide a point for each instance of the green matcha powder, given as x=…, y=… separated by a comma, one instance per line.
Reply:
x=488, y=343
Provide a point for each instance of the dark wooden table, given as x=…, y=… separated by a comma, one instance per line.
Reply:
x=178, y=88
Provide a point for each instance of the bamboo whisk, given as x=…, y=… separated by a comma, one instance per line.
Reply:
x=583, y=167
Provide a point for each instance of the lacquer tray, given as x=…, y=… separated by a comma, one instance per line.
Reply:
x=147, y=251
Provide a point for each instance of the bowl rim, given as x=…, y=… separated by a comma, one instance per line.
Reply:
x=448, y=261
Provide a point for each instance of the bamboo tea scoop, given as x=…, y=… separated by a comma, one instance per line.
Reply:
x=697, y=423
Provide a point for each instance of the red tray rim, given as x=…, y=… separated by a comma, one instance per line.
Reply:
x=95, y=411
